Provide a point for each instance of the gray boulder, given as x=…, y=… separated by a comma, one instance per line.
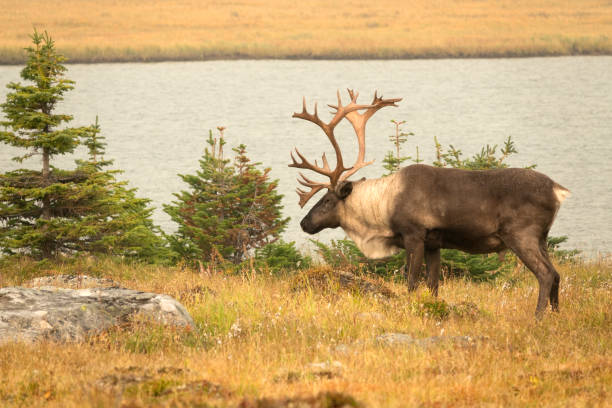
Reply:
x=30, y=314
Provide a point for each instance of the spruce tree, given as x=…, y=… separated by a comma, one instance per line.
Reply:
x=393, y=160
x=47, y=212
x=229, y=210
x=28, y=197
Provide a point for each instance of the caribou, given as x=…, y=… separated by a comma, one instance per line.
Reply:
x=423, y=209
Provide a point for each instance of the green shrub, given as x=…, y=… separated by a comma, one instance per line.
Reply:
x=480, y=268
x=561, y=255
x=344, y=254
x=428, y=306
x=281, y=256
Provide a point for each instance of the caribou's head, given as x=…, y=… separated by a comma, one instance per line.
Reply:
x=325, y=213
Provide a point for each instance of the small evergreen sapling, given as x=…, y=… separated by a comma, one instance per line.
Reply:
x=230, y=208
x=393, y=160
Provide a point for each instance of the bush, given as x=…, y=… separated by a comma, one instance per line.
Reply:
x=344, y=254
x=281, y=256
x=561, y=255
x=480, y=268
x=428, y=306
x=485, y=160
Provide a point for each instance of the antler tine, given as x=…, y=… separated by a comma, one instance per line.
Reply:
x=342, y=111
x=306, y=182
x=314, y=186
x=377, y=103
x=359, y=120
x=358, y=165
x=305, y=196
x=314, y=118
x=354, y=95
x=305, y=164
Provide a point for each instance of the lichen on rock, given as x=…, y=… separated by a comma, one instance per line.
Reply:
x=61, y=314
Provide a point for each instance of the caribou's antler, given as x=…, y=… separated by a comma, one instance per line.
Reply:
x=358, y=121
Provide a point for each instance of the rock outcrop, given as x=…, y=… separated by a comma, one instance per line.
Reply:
x=61, y=314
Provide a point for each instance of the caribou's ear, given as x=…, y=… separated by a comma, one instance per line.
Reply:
x=344, y=189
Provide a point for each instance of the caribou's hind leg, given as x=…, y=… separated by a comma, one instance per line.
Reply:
x=528, y=247
x=554, y=290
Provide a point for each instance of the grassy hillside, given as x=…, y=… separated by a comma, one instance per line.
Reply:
x=153, y=30
x=258, y=334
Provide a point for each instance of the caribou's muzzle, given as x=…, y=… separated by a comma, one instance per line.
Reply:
x=308, y=227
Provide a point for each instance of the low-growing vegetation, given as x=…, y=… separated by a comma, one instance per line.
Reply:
x=263, y=338
x=113, y=31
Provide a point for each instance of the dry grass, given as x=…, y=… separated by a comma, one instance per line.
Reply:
x=152, y=30
x=257, y=334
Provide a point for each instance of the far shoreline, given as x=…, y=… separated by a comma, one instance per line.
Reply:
x=12, y=59
x=120, y=31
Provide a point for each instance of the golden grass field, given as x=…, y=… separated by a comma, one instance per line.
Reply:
x=258, y=333
x=155, y=30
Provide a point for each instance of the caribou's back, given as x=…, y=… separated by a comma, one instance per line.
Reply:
x=471, y=209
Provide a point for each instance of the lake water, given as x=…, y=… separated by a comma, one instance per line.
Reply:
x=156, y=118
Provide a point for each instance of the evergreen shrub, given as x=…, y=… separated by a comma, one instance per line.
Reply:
x=231, y=208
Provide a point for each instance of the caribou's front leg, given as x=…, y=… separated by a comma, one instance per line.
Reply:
x=432, y=260
x=415, y=248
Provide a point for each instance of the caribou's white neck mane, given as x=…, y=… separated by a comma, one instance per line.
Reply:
x=365, y=215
